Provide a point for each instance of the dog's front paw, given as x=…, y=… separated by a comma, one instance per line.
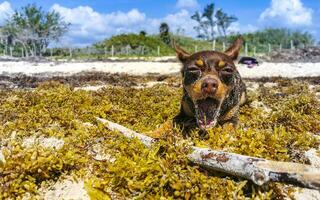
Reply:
x=162, y=131
x=230, y=127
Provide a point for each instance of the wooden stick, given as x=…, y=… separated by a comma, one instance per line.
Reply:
x=258, y=170
x=127, y=132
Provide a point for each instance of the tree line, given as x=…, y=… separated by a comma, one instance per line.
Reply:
x=32, y=29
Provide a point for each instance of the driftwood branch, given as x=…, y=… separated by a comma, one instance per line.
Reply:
x=258, y=170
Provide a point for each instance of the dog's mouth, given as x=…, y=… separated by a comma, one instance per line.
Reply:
x=207, y=112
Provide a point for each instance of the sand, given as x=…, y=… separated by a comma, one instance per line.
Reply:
x=289, y=70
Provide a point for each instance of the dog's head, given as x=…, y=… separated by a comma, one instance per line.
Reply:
x=208, y=77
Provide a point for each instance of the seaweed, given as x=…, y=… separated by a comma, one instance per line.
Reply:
x=55, y=110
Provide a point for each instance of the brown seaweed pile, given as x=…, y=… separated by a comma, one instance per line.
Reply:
x=277, y=123
x=78, y=79
x=307, y=54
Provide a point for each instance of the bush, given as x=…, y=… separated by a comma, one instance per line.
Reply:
x=137, y=44
x=275, y=37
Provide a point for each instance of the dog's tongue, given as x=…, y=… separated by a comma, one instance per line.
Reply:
x=207, y=112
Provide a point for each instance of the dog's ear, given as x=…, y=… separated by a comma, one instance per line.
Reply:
x=234, y=50
x=181, y=53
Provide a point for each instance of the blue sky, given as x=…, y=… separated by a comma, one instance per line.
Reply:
x=93, y=21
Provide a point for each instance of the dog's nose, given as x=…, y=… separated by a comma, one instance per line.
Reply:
x=209, y=86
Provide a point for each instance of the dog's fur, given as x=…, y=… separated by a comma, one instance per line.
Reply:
x=212, y=88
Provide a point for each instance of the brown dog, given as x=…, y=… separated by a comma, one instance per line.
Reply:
x=212, y=88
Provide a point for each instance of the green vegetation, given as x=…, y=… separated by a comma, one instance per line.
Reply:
x=131, y=170
x=275, y=37
x=191, y=44
x=134, y=44
x=147, y=45
x=142, y=45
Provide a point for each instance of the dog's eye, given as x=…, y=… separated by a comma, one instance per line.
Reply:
x=227, y=70
x=193, y=69
x=227, y=74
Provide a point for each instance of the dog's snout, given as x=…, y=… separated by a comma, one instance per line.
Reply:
x=209, y=86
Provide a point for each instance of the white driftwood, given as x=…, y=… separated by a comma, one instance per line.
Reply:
x=127, y=132
x=258, y=170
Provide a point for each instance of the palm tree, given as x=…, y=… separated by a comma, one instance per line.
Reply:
x=208, y=14
x=209, y=20
x=224, y=21
x=206, y=23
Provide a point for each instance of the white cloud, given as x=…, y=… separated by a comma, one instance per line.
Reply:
x=236, y=27
x=89, y=26
x=287, y=12
x=187, y=4
x=5, y=11
x=181, y=20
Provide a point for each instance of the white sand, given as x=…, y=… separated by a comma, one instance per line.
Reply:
x=139, y=86
x=65, y=190
x=313, y=157
x=289, y=70
x=306, y=194
x=133, y=68
x=51, y=142
x=2, y=158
